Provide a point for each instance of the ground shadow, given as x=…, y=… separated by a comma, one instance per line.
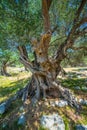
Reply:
x=13, y=87
x=74, y=82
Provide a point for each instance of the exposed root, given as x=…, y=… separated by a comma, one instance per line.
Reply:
x=38, y=87
x=67, y=95
x=70, y=97
x=19, y=94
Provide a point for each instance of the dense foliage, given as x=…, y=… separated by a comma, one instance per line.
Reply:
x=22, y=20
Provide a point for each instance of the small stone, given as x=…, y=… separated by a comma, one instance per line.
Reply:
x=81, y=101
x=85, y=102
x=22, y=109
x=46, y=103
x=81, y=127
x=21, y=120
x=56, y=103
x=61, y=103
x=4, y=124
x=52, y=122
x=52, y=104
x=76, y=99
x=2, y=108
x=77, y=87
x=78, y=76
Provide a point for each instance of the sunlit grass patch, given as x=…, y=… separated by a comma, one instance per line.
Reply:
x=74, y=82
x=9, y=85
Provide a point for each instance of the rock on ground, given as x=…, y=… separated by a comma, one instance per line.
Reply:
x=52, y=122
x=21, y=120
x=81, y=127
x=61, y=103
x=2, y=108
x=83, y=102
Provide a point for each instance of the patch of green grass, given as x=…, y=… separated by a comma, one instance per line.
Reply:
x=74, y=82
x=71, y=84
x=9, y=86
x=68, y=123
x=42, y=128
x=84, y=115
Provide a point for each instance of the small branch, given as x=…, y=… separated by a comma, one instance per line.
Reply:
x=82, y=21
x=76, y=22
x=82, y=4
x=54, y=29
x=58, y=39
x=79, y=48
x=80, y=34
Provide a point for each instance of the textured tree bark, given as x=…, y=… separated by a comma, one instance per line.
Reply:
x=45, y=11
x=45, y=75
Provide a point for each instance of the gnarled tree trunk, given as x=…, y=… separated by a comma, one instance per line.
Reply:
x=44, y=69
x=44, y=74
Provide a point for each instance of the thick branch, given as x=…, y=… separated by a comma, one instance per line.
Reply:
x=26, y=63
x=23, y=51
x=41, y=47
x=61, y=52
x=76, y=22
x=83, y=2
x=45, y=10
x=34, y=70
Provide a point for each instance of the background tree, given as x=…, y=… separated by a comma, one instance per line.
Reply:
x=7, y=58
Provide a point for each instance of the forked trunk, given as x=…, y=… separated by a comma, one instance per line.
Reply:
x=44, y=81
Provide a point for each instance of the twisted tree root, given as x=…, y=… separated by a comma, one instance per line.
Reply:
x=35, y=92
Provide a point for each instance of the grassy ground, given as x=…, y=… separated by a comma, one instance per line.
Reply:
x=9, y=86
